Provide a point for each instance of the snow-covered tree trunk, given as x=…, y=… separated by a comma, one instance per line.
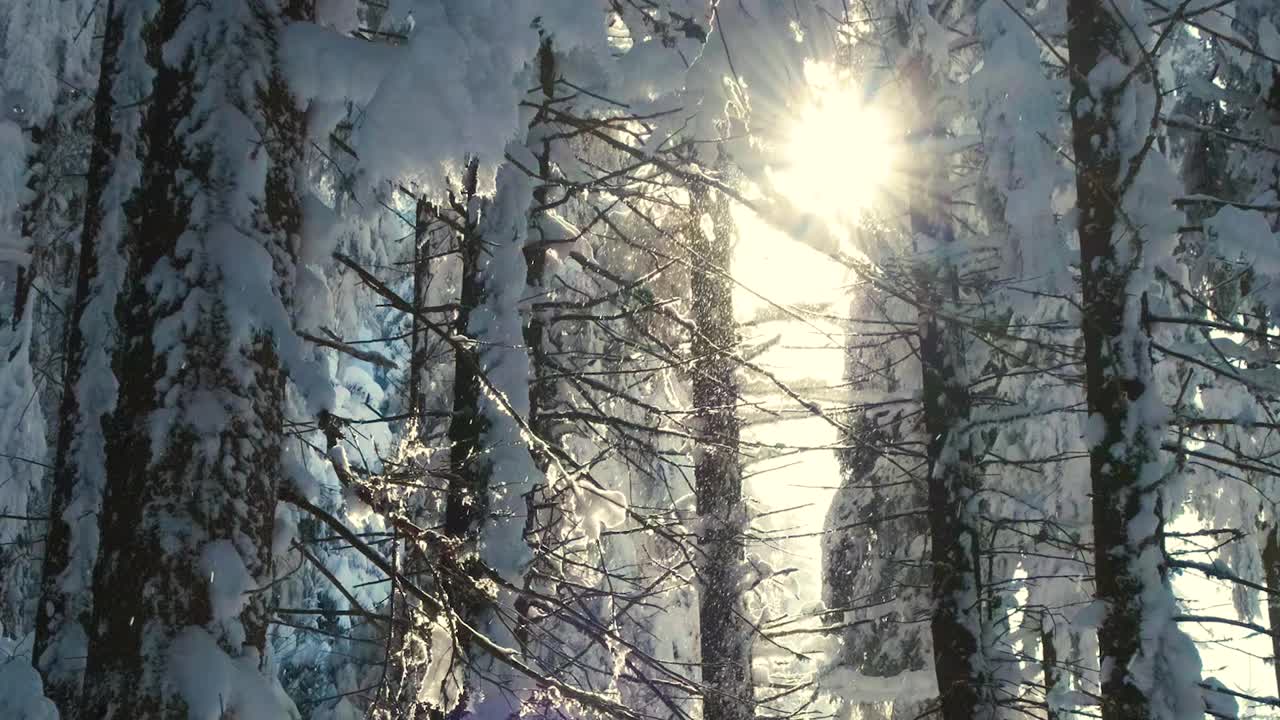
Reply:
x=953, y=533
x=71, y=545
x=956, y=623
x=193, y=446
x=465, y=503
x=1271, y=567
x=417, y=401
x=541, y=390
x=407, y=635
x=724, y=631
x=1148, y=669
x=491, y=469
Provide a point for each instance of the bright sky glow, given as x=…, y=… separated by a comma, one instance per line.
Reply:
x=821, y=165
x=836, y=156
x=840, y=153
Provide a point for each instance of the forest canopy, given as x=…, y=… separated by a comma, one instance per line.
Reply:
x=639, y=359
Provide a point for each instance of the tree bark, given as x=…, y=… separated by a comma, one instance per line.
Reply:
x=421, y=282
x=953, y=535
x=1049, y=664
x=957, y=620
x=405, y=667
x=541, y=390
x=1126, y=503
x=1271, y=566
x=63, y=611
x=1109, y=392
x=725, y=634
x=467, y=495
x=466, y=501
x=193, y=452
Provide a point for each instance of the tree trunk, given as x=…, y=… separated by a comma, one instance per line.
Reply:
x=541, y=390
x=953, y=536
x=193, y=447
x=467, y=493
x=1049, y=664
x=467, y=496
x=725, y=634
x=421, y=282
x=957, y=619
x=1271, y=566
x=408, y=633
x=1126, y=519
x=63, y=612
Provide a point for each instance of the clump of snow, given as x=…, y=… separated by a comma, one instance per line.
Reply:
x=1249, y=233
x=600, y=509
x=229, y=580
x=442, y=684
x=321, y=230
x=1218, y=701
x=21, y=692
x=215, y=685
x=853, y=687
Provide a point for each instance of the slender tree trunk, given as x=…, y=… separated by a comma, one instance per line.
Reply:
x=953, y=535
x=421, y=282
x=545, y=513
x=63, y=612
x=725, y=634
x=1271, y=566
x=406, y=664
x=955, y=561
x=193, y=451
x=1109, y=392
x=488, y=428
x=467, y=496
x=1129, y=578
x=1049, y=664
x=468, y=485
x=541, y=390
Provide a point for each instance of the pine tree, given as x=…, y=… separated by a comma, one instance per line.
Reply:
x=725, y=634
x=193, y=446
x=1148, y=668
x=77, y=477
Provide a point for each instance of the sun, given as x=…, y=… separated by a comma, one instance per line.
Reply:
x=836, y=154
x=840, y=152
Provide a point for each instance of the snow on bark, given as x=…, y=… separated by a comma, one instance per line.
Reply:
x=724, y=632
x=193, y=446
x=89, y=382
x=499, y=329
x=1149, y=668
x=493, y=469
x=41, y=57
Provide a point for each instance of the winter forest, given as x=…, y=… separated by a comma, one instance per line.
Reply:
x=639, y=359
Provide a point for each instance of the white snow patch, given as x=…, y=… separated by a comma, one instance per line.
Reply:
x=217, y=686
x=21, y=692
x=229, y=580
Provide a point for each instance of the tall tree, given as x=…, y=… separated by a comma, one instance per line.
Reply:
x=89, y=386
x=725, y=634
x=193, y=446
x=1149, y=669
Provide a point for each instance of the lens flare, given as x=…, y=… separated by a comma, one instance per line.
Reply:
x=840, y=153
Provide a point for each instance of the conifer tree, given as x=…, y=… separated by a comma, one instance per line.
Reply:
x=193, y=445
